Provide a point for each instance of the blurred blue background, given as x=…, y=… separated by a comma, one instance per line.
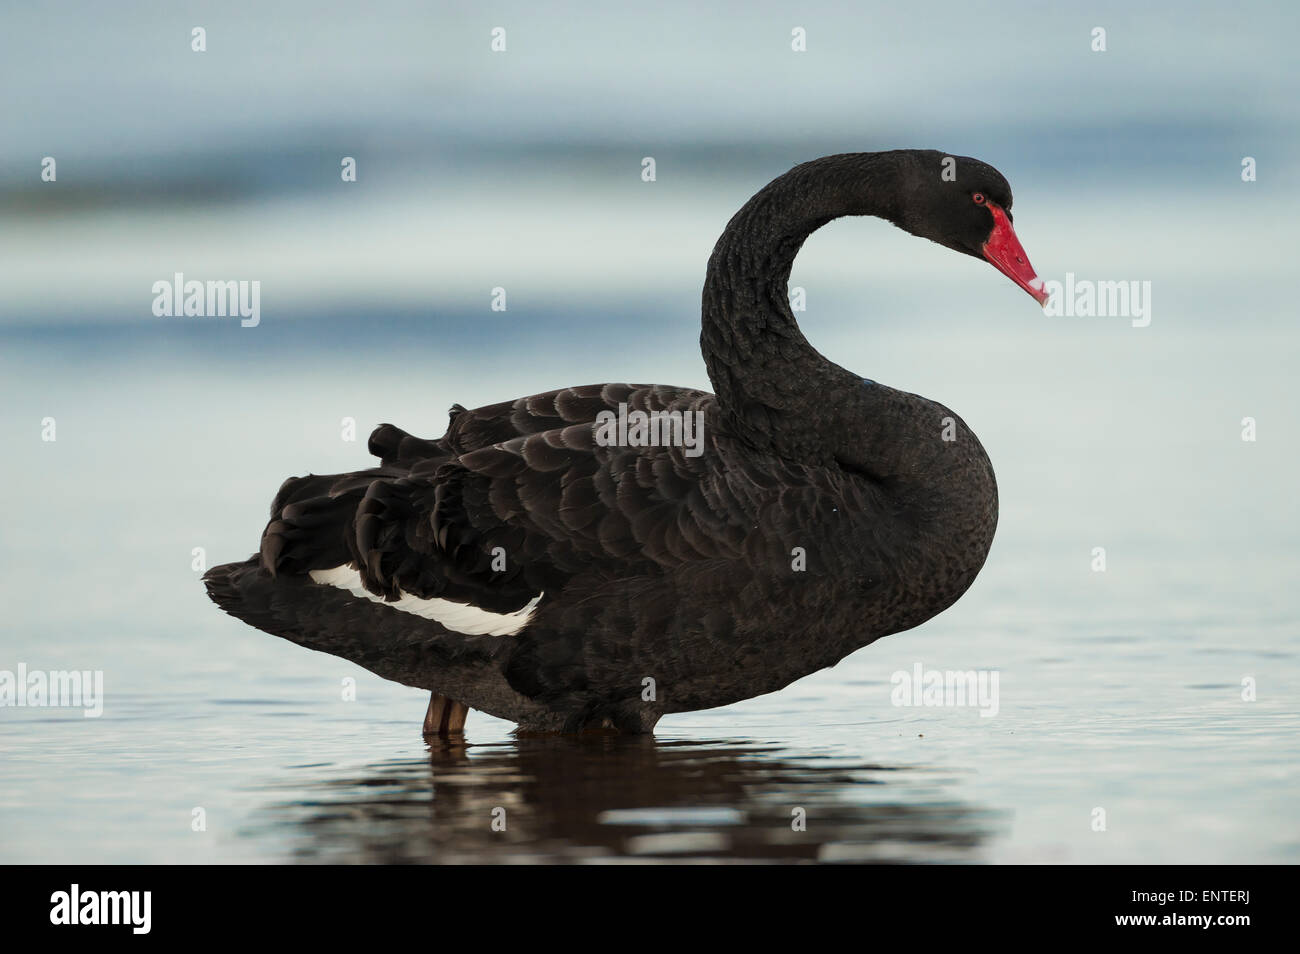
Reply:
x=522, y=170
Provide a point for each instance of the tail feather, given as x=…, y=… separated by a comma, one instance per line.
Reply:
x=310, y=519
x=392, y=444
x=399, y=646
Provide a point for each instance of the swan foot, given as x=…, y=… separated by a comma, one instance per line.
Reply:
x=445, y=717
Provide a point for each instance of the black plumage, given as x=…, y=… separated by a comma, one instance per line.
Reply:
x=824, y=511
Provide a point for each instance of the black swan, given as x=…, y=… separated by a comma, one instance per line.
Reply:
x=598, y=556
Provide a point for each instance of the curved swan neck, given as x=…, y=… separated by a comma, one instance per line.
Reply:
x=768, y=378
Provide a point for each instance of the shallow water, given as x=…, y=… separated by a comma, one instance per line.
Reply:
x=1119, y=690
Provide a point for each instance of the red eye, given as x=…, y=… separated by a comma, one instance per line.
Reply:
x=979, y=198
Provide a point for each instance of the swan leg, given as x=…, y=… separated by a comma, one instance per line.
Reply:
x=445, y=716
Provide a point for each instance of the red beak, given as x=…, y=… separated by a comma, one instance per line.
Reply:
x=1003, y=249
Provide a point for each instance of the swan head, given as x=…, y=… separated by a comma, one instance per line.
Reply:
x=965, y=205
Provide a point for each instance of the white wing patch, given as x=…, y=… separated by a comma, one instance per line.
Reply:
x=460, y=617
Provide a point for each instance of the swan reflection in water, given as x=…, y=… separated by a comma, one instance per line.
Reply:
x=619, y=798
